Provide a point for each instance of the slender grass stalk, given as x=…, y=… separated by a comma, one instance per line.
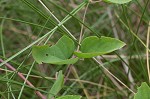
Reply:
x=1, y=38
x=26, y=22
x=147, y=53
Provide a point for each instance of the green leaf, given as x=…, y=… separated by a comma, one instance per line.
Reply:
x=69, y=97
x=143, y=92
x=94, y=46
x=56, y=54
x=57, y=85
x=118, y=1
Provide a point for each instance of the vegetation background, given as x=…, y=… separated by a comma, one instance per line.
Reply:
x=24, y=21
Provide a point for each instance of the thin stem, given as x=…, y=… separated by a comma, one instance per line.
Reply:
x=82, y=26
x=147, y=53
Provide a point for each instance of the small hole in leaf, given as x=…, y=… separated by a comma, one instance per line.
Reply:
x=46, y=54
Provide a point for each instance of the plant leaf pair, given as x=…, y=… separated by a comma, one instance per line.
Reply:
x=60, y=52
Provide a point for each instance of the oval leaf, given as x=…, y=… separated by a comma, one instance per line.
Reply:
x=118, y=1
x=69, y=97
x=57, y=85
x=143, y=92
x=56, y=54
x=94, y=46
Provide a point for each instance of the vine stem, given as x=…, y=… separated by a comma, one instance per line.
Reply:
x=23, y=78
x=82, y=27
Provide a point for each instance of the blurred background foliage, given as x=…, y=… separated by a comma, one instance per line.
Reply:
x=24, y=21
